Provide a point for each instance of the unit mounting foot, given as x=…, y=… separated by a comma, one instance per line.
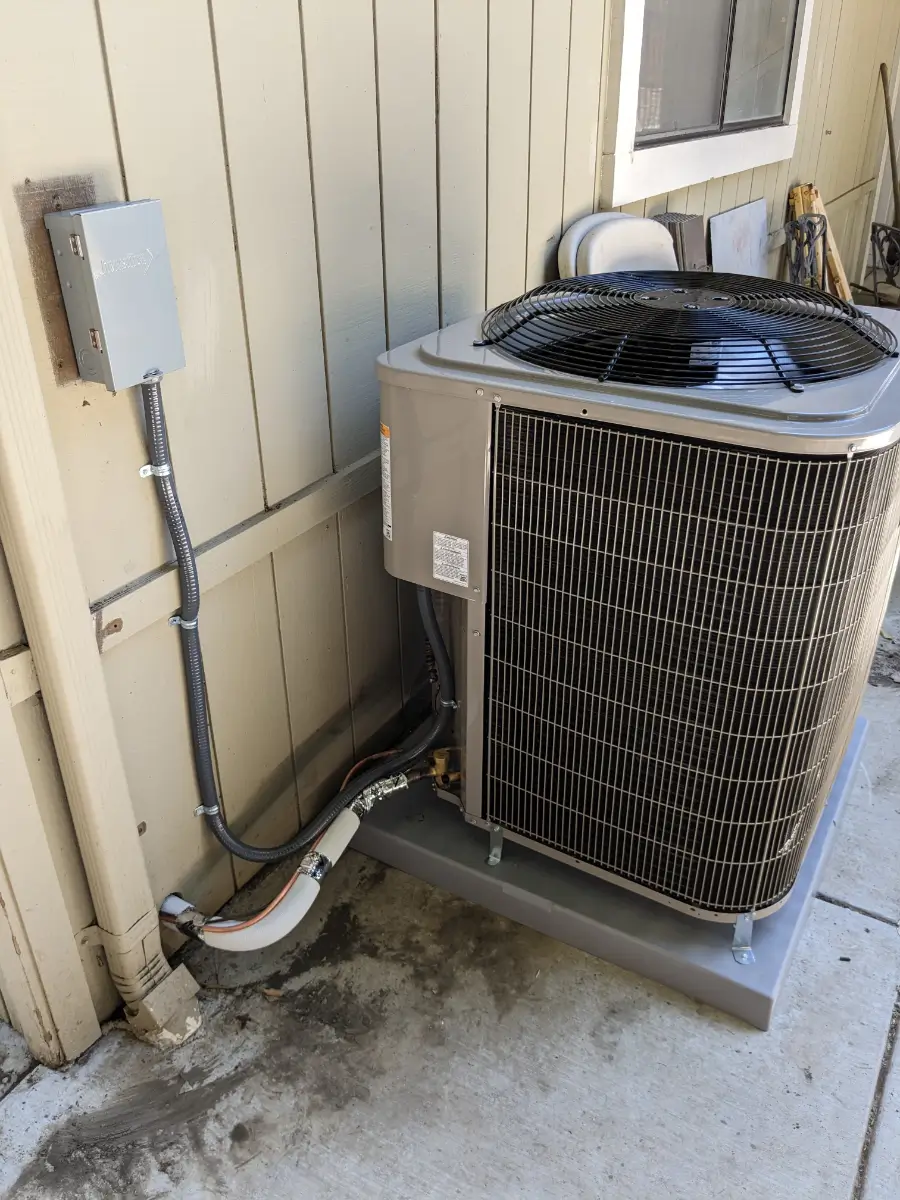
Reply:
x=743, y=936
x=496, y=833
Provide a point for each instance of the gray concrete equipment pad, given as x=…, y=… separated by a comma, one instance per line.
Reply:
x=423, y=835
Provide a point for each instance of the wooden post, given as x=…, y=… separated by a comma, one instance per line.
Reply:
x=37, y=539
x=892, y=147
x=44, y=984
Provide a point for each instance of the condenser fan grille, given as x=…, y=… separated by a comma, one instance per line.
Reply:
x=678, y=633
x=688, y=329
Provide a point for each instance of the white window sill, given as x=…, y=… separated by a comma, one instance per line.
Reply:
x=653, y=170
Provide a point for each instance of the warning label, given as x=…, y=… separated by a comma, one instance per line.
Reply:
x=451, y=559
x=387, y=517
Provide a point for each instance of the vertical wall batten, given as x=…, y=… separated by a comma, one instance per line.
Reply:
x=248, y=707
x=654, y=205
x=208, y=404
x=217, y=76
x=406, y=105
x=104, y=54
x=260, y=72
x=340, y=74
x=462, y=143
x=811, y=84
x=546, y=171
x=308, y=581
x=582, y=108
x=819, y=110
x=509, y=105
x=11, y=631
x=370, y=608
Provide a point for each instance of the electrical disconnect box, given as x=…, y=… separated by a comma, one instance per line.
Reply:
x=116, y=280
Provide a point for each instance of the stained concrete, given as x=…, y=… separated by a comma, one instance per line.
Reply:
x=15, y=1061
x=860, y=872
x=405, y=1044
x=411, y=1045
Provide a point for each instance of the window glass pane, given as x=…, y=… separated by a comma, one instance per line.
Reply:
x=760, y=59
x=682, y=65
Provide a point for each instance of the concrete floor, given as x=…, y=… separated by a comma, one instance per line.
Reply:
x=407, y=1045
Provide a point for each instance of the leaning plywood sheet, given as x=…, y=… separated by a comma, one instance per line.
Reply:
x=738, y=238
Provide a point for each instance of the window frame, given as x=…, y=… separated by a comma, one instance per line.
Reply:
x=631, y=172
x=720, y=128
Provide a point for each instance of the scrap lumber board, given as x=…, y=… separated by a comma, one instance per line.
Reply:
x=806, y=198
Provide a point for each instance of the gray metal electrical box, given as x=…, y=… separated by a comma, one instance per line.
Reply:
x=116, y=280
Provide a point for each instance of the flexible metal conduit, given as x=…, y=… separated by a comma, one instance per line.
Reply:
x=164, y=477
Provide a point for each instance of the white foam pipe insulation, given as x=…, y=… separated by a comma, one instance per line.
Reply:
x=296, y=898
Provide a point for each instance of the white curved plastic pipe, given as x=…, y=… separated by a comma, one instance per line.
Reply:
x=567, y=254
x=290, y=909
x=337, y=837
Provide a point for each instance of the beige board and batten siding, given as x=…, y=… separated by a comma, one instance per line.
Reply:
x=335, y=179
x=840, y=141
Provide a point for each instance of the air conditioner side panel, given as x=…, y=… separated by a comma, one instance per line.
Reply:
x=435, y=457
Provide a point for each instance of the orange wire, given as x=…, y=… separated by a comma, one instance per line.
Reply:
x=362, y=762
x=281, y=895
x=263, y=912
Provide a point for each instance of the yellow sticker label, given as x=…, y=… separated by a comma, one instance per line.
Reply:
x=387, y=515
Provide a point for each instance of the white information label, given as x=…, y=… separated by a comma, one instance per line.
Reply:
x=451, y=559
x=387, y=516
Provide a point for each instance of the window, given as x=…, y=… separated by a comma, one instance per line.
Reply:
x=698, y=89
x=711, y=66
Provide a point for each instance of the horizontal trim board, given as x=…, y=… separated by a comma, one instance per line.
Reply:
x=126, y=612
x=637, y=174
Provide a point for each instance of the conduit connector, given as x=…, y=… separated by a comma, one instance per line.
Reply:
x=366, y=801
x=190, y=922
x=315, y=865
x=161, y=471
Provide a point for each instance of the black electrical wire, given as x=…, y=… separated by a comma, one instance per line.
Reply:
x=158, y=444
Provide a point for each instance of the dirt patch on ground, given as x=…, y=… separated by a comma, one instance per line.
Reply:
x=885, y=670
x=300, y=1044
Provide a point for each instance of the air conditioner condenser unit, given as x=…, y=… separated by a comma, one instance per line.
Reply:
x=667, y=506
